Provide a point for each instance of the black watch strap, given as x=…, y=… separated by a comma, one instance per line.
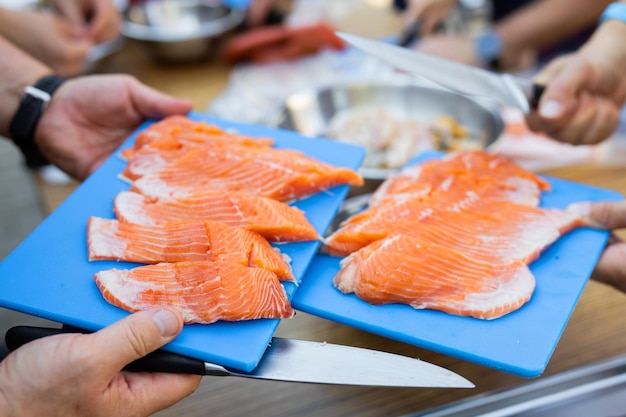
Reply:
x=24, y=123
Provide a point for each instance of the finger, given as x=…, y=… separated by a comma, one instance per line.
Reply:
x=157, y=391
x=611, y=268
x=134, y=337
x=559, y=97
x=71, y=12
x=607, y=215
x=153, y=104
x=603, y=124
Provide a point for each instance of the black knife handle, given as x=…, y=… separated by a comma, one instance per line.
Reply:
x=157, y=361
x=537, y=92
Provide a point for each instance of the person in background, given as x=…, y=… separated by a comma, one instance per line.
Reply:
x=79, y=374
x=520, y=35
x=62, y=35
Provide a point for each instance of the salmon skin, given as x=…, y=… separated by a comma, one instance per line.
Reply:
x=203, y=291
x=279, y=174
x=178, y=242
x=274, y=220
x=455, y=235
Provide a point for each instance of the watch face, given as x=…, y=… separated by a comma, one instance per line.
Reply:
x=488, y=45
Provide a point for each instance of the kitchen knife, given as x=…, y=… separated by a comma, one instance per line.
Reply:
x=501, y=87
x=293, y=361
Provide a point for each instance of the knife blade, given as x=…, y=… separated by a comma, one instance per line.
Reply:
x=501, y=87
x=293, y=361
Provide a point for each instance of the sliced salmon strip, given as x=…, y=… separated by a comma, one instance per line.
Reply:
x=485, y=228
x=204, y=292
x=280, y=174
x=178, y=242
x=274, y=220
x=404, y=269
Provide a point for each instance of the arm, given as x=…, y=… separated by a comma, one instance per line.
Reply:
x=48, y=38
x=545, y=22
x=17, y=70
x=75, y=133
x=539, y=24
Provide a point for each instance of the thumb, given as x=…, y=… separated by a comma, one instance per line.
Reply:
x=135, y=336
x=153, y=104
x=606, y=215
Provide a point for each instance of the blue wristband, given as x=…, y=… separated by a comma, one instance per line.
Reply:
x=616, y=11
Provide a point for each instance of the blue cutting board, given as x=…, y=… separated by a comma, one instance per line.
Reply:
x=48, y=274
x=519, y=343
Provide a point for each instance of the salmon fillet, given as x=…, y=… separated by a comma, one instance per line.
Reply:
x=490, y=176
x=204, y=291
x=478, y=227
x=279, y=174
x=178, y=242
x=274, y=220
x=176, y=132
x=408, y=270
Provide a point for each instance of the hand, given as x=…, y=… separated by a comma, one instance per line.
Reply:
x=611, y=268
x=582, y=100
x=50, y=39
x=430, y=13
x=90, y=116
x=98, y=19
x=74, y=375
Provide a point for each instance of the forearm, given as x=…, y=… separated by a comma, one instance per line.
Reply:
x=608, y=44
x=17, y=70
x=545, y=22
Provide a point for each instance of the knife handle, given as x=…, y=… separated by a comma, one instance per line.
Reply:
x=535, y=97
x=157, y=361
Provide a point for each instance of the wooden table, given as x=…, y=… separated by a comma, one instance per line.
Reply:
x=595, y=331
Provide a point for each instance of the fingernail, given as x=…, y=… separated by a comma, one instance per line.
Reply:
x=167, y=322
x=582, y=209
x=550, y=108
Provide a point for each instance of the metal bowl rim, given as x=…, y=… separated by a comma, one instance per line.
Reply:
x=216, y=27
x=377, y=174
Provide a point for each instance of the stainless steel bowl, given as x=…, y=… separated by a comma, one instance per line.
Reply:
x=180, y=31
x=310, y=112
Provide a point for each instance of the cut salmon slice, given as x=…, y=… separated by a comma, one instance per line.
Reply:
x=178, y=131
x=279, y=174
x=204, y=291
x=480, y=172
x=488, y=229
x=404, y=269
x=178, y=242
x=274, y=220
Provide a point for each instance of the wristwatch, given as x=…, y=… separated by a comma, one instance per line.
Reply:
x=615, y=11
x=23, y=125
x=488, y=47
